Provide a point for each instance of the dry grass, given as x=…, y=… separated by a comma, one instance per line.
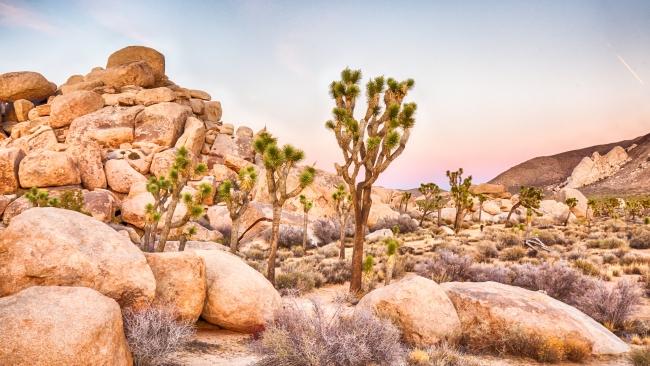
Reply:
x=441, y=355
x=640, y=356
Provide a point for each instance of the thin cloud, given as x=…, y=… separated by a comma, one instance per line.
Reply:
x=636, y=76
x=15, y=16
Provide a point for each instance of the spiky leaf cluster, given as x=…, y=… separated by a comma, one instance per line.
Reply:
x=432, y=199
x=530, y=197
x=572, y=202
x=459, y=190
x=306, y=203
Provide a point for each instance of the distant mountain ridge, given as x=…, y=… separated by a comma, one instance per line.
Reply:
x=552, y=171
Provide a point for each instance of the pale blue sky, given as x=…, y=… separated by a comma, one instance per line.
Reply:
x=497, y=82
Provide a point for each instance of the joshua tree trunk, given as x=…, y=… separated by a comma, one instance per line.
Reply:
x=164, y=233
x=275, y=235
x=480, y=210
x=181, y=243
x=439, y=214
x=568, y=216
x=234, y=235
x=459, y=219
x=362, y=202
x=343, y=224
x=514, y=207
x=390, y=265
x=304, y=230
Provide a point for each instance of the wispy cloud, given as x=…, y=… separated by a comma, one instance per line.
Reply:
x=630, y=69
x=111, y=16
x=19, y=16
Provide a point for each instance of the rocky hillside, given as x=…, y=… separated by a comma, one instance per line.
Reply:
x=618, y=168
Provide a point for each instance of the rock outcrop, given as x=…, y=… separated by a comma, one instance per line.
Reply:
x=597, y=167
x=51, y=246
x=238, y=298
x=56, y=325
x=493, y=303
x=24, y=85
x=419, y=307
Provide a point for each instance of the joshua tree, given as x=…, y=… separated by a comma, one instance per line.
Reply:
x=460, y=195
x=610, y=205
x=342, y=205
x=481, y=200
x=278, y=163
x=169, y=188
x=71, y=199
x=572, y=203
x=368, y=270
x=236, y=195
x=591, y=210
x=391, y=257
x=633, y=207
x=529, y=197
x=404, y=201
x=432, y=199
x=369, y=143
x=307, y=204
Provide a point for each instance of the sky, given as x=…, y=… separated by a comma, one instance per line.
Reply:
x=497, y=82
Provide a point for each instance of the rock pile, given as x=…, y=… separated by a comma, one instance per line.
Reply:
x=597, y=167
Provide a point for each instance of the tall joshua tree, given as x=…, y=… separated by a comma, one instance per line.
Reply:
x=481, y=200
x=529, y=197
x=461, y=195
x=404, y=201
x=307, y=205
x=167, y=193
x=572, y=202
x=237, y=196
x=370, y=143
x=278, y=162
x=342, y=206
x=432, y=200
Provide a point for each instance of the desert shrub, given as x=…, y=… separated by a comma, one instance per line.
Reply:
x=609, y=258
x=483, y=273
x=299, y=277
x=607, y=243
x=327, y=231
x=441, y=355
x=586, y=267
x=447, y=266
x=508, y=239
x=299, y=337
x=576, y=350
x=254, y=253
x=557, y=280
x=335, y=271
x=610, y=306
x=328, y=251
x=646, y=220
x=640, y=356
x=298, y=251
x=153, y=334
x=289, y=236
x=512, y=253
x=551, y=237
x=487, y=250
x=640, y=239
x=403, y=223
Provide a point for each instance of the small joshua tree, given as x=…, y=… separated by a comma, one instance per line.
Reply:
x=391, y=258
x=633, y=207
x=460, y=195
x=591, y=210
x=237, y=196
x=404, y=201
x=368, y=271
x=167, y=193
x=71, y=199
x=278, y=163
x=432, y=200
x=572, y=203
x=481, y=200
x=342, y=204
x=370, y=143
x=307, y=205
x=530, y=198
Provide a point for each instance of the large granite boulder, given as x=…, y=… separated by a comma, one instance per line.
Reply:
x=109, y=126
x=45, y=168
x=57, y=325
x=419, y=307
x=51, y=246
x=239, y=298
x=127, y=55
x=180, y=282
x=121, y=176
x=495, y=303
x=161, y=123
x=66, y=108
x=9, y=163
x=24, y=85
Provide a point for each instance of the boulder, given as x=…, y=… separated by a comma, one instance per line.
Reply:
x=197, y=106
x=66, y=108
x=492, y=207
x=161, y=123
x=162, y=162
x=36, y=137
x=24, y=85
x=89, y=161
x=419, y=307
x=15, y=208
x=581, y=209
x=36, y=249
x=55, y=325
x=379, y=235
x=199, y=94
x=127, y=55
x=238, y=297
x=494, y=190
x=148, y=97
x=109, y=126
x=133, y=206
x=84, y=85
x=223, y=145
x=124, y=99
x=120, y=176
x=9, y=163
x=554, y=210
x=44, y=168
x=22, y=107
x=180, y=282
x=134, y=73
x=212, y=111
x=493, y=303
x=100, y=204
x=381, y=211
x=5, y=200
x=193, y=136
